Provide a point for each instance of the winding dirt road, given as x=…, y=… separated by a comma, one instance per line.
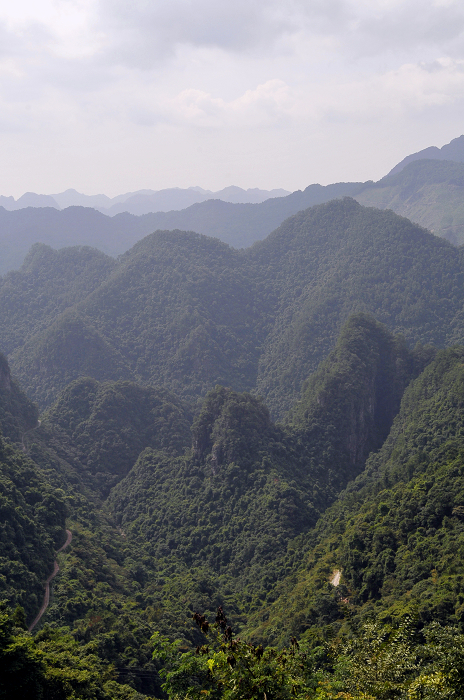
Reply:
x=56, y=568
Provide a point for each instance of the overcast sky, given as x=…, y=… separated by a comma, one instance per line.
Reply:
x=116, y=95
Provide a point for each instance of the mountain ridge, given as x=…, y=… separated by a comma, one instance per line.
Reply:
x=188, y=312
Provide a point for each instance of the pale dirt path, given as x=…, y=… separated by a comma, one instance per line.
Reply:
x=56, y=568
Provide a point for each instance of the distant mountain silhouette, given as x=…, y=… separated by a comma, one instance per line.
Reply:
x=142, y=201
x=29, y=199
x=427, y=191
x=177, y=199
x=454, y=150
x=239, y=225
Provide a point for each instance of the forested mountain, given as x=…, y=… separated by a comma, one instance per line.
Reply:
x=187, y=312
x=248, y=487
x=162, y=374
x=32, y=511
x=48, y=282
x=454, y=151
x=18, y=413
x=429, y=192
x=107, y=425
x=342, y=258
x=238, y=225
x=217, y=519
x=397, y=532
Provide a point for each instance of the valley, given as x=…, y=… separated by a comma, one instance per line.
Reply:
x=269, y=438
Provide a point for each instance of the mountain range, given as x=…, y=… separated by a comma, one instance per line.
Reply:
x=140, y=202
x=428, y=192
x=258, y=453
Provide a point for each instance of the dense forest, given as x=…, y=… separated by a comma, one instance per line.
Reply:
x=259, y=456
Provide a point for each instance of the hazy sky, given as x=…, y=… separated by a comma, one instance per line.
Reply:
x=117, y=95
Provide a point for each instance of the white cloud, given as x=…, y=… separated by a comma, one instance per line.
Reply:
x=267, y=104
x=409, y=89
x=107, y=79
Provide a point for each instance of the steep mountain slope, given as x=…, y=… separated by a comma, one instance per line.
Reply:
x=217, y=521
x=37, y=491
x=224, y=523
x=179, y=310
x=250, y=516
x=236, y=224
x=340, y=258
x=106, y=426
x=429, y=192
x=70, y=348
x=454, y=150
x=351, y=400
x=18, y=415
x=188, y=312
x=32, y=519
x=397, y=533
x=32, y=512
x=48, y=282
x=230, y=507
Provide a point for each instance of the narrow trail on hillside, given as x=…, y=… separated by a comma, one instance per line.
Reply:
x=39, y=423
x=56, y=568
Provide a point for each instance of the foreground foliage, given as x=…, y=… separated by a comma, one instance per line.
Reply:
x=397, y=533
x=378, y=662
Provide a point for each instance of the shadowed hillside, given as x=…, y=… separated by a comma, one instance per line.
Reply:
x=187, y=312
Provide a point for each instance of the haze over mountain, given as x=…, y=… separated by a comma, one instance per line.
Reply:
x=428, y=192
x=239, y=225
x=454, y=151
x=232, y=434
x=140, y=202
x=182, y=494
x=188, y=312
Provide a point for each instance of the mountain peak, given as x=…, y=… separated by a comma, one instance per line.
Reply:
x=454, y=150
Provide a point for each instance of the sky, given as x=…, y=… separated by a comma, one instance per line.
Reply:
x=112, y=96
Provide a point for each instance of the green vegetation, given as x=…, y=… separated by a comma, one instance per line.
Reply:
x=53, y=665
x=32, y=527
x=17, y=414
x=231, y=505
x=380, y=663
x=428, y=192
x=396, y=534
x=186, y=312
x=48, y=282
x=238, y=225
x=338, y=259
x=107, y=425
x=334, y=539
